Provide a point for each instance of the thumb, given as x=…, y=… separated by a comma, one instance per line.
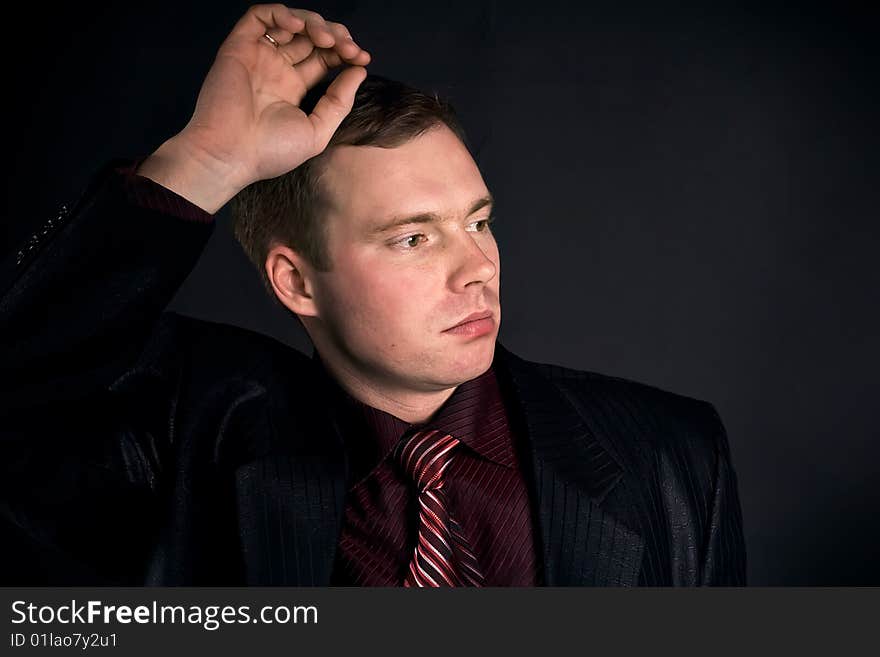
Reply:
x=335, y=104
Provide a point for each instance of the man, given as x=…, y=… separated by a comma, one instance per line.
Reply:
x=412, y=449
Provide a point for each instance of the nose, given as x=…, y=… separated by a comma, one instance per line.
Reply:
x=474, y=263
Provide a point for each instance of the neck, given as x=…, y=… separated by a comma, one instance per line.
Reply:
x=415, y=407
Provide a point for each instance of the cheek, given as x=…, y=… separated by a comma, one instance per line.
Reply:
x=385, y=304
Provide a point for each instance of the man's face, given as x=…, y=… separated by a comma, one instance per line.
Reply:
x=386, y=306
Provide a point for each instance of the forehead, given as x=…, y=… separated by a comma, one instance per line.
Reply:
x=432, y=173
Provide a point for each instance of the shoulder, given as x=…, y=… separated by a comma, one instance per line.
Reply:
x=641, y=402
x=211, y=356
x=641, y=423
x=234, y=385
x=677, y=483
x=239, y=347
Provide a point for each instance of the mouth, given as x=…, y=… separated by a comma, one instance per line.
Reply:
x=472, y=318
x=478, y=323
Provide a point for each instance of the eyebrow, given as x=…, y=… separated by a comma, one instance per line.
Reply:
x=426, y=217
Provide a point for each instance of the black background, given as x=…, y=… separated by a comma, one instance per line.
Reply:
x=686, y=197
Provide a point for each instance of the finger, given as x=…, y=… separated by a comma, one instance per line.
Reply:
x=345, y=45
x=329, y=34
x=335, y=104
x=316, y=28
x=314, y=67
x=298, y=48
x=301, y=46
x=361, y=59
x=280, y=36
x=321, y=60
x=260, y=18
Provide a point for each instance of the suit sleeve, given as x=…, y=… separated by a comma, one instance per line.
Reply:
x=81, y=296
x=724, y=560
x=85, y=422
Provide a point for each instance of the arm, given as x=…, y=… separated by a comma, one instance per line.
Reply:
x=81, y=303
x=80, y=300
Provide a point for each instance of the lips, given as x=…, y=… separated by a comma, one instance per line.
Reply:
x=473, y=317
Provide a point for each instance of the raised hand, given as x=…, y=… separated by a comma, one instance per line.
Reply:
x=247, y=124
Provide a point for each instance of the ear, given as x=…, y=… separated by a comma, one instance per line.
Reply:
x=292, y=280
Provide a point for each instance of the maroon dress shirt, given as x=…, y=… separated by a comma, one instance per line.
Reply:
x=486, y=488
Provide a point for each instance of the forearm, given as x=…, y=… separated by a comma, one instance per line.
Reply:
x=184, y=168
x=77, y=309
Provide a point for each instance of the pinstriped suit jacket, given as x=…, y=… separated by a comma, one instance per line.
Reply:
x=148, y=447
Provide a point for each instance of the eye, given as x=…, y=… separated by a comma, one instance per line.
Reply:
x=407, y=242
x=411, y=242
x=488, y=220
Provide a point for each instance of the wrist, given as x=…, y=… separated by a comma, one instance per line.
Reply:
x=191, y=172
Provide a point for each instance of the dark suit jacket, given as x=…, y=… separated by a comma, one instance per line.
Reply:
x=147, y=447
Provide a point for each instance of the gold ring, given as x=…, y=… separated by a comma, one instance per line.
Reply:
x=268, y=38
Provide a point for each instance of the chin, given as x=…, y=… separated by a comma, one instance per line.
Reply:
x=476, y=361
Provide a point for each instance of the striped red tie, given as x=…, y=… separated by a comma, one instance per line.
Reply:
x=442, y=556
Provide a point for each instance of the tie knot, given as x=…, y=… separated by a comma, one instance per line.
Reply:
x=425, y=455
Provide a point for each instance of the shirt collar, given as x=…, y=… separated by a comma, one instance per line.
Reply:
x=475, y=414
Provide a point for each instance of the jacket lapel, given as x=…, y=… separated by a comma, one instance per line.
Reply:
x=291, y=500
x=583, y=540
